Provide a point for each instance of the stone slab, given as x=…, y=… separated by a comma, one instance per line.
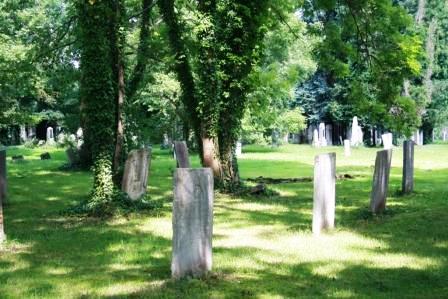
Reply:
x=192, y=222
x=136, y=170
x=380, y=181
x=407, y=185
x=324, y=192
x=181, y=154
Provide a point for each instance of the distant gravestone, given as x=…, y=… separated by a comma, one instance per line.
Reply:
x=329, y=134
x=238, y=149
x=181, y=154
x=23, y=135
x=192, y=222
x=3, y=186
x=135, y=176
x=387, y=141
x=380, y=181
x=418, y=137
x=356, y=138
x=408, y=167
x=347, y=148
x=324, y=192
x=322, y=137
x=50, y=136
x=316, y=138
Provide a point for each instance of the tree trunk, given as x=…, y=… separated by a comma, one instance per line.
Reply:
x=210, y=156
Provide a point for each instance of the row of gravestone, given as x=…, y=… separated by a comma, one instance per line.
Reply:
x=193, y=206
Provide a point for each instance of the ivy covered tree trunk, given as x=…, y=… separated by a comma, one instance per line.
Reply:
x=98, y=92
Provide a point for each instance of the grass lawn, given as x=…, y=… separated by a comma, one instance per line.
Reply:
x=262, y=247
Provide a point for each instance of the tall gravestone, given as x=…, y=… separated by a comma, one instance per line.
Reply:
x=324, y=192
x=192, y=222
x=181, y=154
x=418, y=137
x=356, y=138
x=329, y=134
x=347, y=148
x=380, y=181
x=23, y=135
x=316, y=138
x=407, y=185
x=135, y=175
x=322, y=137
x=387, y=141
x=3, y=185
x=50, y=136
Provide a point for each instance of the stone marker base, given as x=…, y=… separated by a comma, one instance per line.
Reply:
x=192, y=222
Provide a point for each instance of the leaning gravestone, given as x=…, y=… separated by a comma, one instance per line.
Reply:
x=408, y=167
x=381, y=181
x=347, y=148
x=3, y=185
x=135, y=176
x=324, y=192
x=181, y=154
x=387, y=141
x=192, y=222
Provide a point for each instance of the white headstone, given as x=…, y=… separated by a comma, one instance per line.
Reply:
x=322, y=137
x=50, y=136
x=238, y=149
x=23, y=135
x=79, y=133
x=387, y=140
x=356, y=133
x=347, y=148
x=3, y=187
x=418, y=137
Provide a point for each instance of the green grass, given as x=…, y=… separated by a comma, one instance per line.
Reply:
x=262, y=247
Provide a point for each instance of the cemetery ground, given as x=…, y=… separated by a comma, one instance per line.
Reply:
x=262, y=246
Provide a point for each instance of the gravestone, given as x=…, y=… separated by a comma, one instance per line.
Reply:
x=408, y=167
x=23, y=135
x=3, y=187
x=135, y=176
x=329, y=134
x=418, y=137
x=322, y=137
x=50, y=136
x=181, y=154
x=79, y=133
x=324, y=192
x=316, y=138
x=380, y=181
x=347, y=148
x=31, y=132
x=192, y=222
x=45, y=156
x=387, y=141
x=238, y=149
x=356, y=138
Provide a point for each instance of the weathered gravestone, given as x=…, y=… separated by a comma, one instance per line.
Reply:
x=316, y=138
x=181, y=154
x=380, y=181
x=324, y=192
x=408, y=167
x=50, y=136
x=387, y=140
x=23, y=135
x=3, y=186
x=329, y=134
x=347, y=148
x=192, y=222
x=135, y=176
